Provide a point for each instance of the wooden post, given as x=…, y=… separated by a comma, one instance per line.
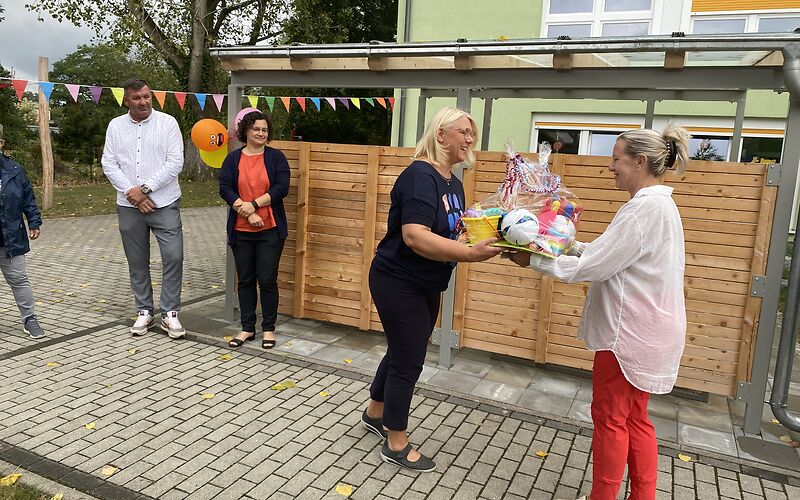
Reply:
x=368, y=248
x=462, y=270
x=44, y=139
x=303, y=183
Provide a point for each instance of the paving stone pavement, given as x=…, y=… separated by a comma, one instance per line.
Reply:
x=194, y=419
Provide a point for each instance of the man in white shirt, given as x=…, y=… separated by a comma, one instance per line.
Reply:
x=142, y=157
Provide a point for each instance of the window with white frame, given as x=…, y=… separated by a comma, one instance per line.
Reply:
x=745, y=22
x=585, y=18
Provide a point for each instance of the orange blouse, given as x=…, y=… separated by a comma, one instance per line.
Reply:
x=253, y=183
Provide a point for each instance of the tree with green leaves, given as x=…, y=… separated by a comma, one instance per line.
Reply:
x=14, y=129
x=178, y=32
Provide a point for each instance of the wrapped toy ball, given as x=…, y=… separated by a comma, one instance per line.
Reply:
x=519, y=227
x=563, y=227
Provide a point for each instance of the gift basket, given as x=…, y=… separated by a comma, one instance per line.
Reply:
x=530, y=211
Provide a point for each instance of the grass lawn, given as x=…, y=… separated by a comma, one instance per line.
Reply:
x=22, y=492
x=98, y=199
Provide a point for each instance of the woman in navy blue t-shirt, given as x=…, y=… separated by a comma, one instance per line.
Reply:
x=412, y=266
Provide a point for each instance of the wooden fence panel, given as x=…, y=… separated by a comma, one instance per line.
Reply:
x=338, y=207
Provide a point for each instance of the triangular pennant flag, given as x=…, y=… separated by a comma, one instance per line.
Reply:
x=356, y=102
x=19, y=86
x=345, y=101
x=181, y=97
x=218, y=98
x=315, y=100
x=302, y=102
x=73, y=90
x=331, y=101
x=96, y=90
x=270, y=102
x=370, y=101
x=287, y=101
x=253, y=99
x=118, y=93
x=381, y=101
x=46, y=88
x=201, y=100
x=161, y=96
x=391, y=102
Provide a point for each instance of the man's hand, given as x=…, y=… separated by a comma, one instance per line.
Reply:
x=34, y=233
x=522, y=259
x=146, y=206
x=255, y=220
x=135, y=196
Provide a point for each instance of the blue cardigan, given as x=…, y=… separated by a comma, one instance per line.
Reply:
x=279, y=175
x=18, y=200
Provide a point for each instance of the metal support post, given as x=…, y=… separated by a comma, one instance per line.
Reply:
x=738, y=124
x=231, y=299
x=464, y=99
x=422, y=105
x=775, y=264
x=487, y=123
x=649, y=113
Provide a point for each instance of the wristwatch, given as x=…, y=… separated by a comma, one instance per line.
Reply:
x=146, y=189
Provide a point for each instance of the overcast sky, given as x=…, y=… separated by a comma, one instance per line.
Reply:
x=23, y=40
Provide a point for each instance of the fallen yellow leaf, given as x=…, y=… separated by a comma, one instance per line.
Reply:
x=108, y=386
x=214, y=286
x=541, y=454
x=348, y=361
x=52, y=364
x=344, y=489
x=324, y=394
x=58, y=496
x=786, y=439
x=208, y=395
x=286, y=384
x=226, y=357
x=776, y=421
x=9, y=479
x=227, y=338
x=502, y=38
x=109, y=470
x=685, y=458
x=133, y=350
x=90, y=425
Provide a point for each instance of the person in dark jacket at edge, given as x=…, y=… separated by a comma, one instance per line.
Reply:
x=16, y=198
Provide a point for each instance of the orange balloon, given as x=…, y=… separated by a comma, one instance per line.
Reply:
x=209, y=135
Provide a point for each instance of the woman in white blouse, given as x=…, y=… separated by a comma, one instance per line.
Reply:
x=634, y=316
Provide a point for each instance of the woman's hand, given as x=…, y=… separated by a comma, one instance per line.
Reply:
x=246, y=210
x=482, y=251
x=34, y=233
x=255, y=220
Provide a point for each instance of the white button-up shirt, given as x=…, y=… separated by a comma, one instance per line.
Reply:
x=146, y=152
x=635, y=304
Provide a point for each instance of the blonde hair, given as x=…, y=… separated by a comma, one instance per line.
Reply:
x=429, y=148
x=662, y=150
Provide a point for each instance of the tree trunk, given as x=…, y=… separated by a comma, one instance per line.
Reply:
x=198, y=45
x=193, y=167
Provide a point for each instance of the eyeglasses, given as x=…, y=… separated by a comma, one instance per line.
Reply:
x=466, y=132
x=256, y=129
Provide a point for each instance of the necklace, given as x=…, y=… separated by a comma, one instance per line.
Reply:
x=446, y=179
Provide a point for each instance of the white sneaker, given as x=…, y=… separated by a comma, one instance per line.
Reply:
x=172, y=325
x=144, y=320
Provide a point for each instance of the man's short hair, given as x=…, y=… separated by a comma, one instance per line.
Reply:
x=134, y=84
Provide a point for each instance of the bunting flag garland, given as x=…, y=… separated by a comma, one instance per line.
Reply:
x=118, y=93
x=161, y=96
x=95, y=91
x=181, y=97
x=218, y=98
x=73, y=90
x=46, y=89
x=19, y=86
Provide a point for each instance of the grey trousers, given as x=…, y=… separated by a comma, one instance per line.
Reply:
x=135, y=227
x=16, y=276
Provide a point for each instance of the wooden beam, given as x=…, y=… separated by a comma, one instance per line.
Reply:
x=368, y=248
x=299, y=64
x=303, y=183
x=674, y=59
x=462, y=63
x=45, y=140
x=376, y=63
x=562, y=62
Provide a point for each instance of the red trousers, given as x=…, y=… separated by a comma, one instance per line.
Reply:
x=623, y=434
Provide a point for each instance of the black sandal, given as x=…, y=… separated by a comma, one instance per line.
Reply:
x=268, y=343
x=424, y=464
x=234, y=342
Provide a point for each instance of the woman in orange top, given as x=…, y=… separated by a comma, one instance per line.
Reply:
x=253, y=181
